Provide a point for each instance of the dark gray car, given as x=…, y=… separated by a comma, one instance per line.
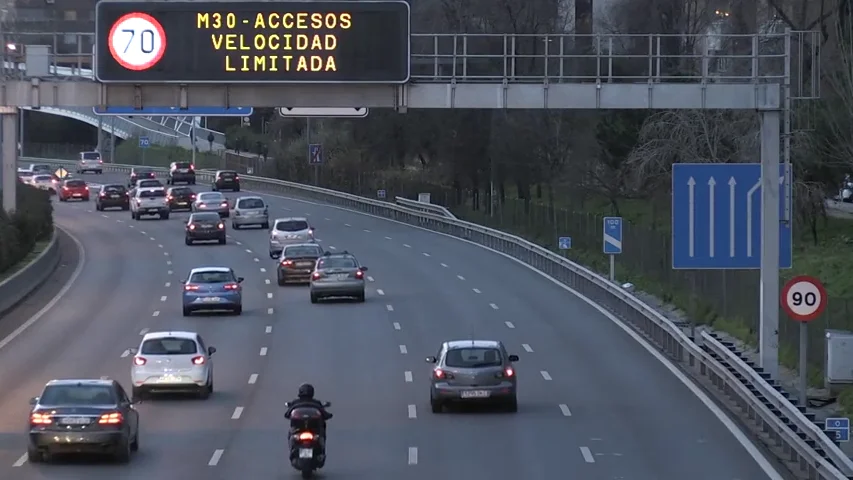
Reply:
x=468, y=371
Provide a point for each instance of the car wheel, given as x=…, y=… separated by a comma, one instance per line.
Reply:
x=204, y=393
x=210, y=385
x=122, y=454
x=187, y=241
x=512, y=405
x=222, y=241
x=164, y=216
x=98, y=207
x=314, y=298
x=187, y=312
x=168, y=182
x=138, y=393
x=238, y=310
x=61, y=199
x=281, y=281
x=436, y=406
x=360, y=298
x=237, y=189
x=138, y=217
x=35, y=455
x=265, y=225
x=100, y=172
x=134, y=445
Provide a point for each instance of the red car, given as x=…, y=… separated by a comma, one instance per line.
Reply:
x=74, y=190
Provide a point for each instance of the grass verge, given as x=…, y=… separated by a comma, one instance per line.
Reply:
x=34, y=253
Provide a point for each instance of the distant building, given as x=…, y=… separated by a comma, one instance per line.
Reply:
x=66, y=26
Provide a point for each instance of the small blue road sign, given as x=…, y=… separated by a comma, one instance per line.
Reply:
x=380, y=194
x=144, y=142
x=169, y=111
x=565, y=243
x=315, y=154
x=841, y=427
x=612, y=235
x=716, y=216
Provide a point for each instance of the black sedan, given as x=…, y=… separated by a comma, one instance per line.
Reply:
x=180, y=198
x=112, y=196
x=82, y=416
x=140, y=174
x=297, y=262
x=205, y=226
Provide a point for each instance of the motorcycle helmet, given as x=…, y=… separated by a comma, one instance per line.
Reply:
x=306, y=390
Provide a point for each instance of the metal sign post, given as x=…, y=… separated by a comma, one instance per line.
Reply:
x=144, y=143
x=612, y=233
x=804, y=299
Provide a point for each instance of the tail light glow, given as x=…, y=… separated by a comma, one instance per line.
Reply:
x=192, y=167
x=40, y=419
x=359, y=274
x=170, y=197
x=201, y=204
x=231, y=286
x=199, y=360
x=190, y=287
x=316, y=275
x=114, y=418
x=440, y=374
x=509, y=372
x=286, y=263
x=192, y=196
x=192, y=227
x=306, y=436
x=100, y=161
x=221, y=226
x=224, y=204
x=139, y=361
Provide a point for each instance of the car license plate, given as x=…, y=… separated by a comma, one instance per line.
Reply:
x=475, y=394
x=75, y=421
x=78, y=194
x=169, y=379
x=341, y=276
x=211, y=299
x=113, y=196
x=306, y=453
x=304, y=264
x=182, y=203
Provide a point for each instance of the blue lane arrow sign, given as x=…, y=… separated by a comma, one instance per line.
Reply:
x=169, y=111
x=612, y=235
x=565, y=243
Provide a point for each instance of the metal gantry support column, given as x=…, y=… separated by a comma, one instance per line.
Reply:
x=770, y=218
x=9, y=125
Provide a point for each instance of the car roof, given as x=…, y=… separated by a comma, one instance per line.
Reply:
x=83, y=381
x=112, y=185
x=170, y=334
x=212, y=193
x=141, y=169
x=306, y=244
x=151, y=189
x=74, y=180
x=250, y=198
x=456, y=344
x=209, y=269
x=291, y=219
x=226, y=171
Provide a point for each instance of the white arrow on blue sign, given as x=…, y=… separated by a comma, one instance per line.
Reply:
x=841, y=427
x=612, y=235
x=565, y=243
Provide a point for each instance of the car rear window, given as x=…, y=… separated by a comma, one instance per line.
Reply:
x=75, y=183
x=42, y=168
x=291, y=225
x=251, y=203
x=43, y=178
x=336, y=263
x=211, y=277
x=227, y=174
x=205, y=217
x=473, y=357
x=78, y=395
x=152, y=193
x=114, y=188
x=183, y=165
x=90, y=156
x=168, y=346
x=211, y=197
x=182, y=191
x=303, y=251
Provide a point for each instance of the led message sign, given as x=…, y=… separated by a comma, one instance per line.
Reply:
x=252, y=42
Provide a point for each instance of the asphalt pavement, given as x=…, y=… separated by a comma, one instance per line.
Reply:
x=593, y=403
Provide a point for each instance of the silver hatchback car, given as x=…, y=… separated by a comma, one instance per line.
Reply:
x=473, y=371
x=289, y=231
x=337, y=275
x=250, y=211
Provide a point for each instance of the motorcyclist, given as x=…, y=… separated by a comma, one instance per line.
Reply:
x=305, y=398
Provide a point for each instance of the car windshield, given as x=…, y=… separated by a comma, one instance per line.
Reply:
x=251, y=203
x=91, y=156
x=473, y=357
x=152, y=193
x=77, y=395
x=303, y=251
x=42, y=178
x=336, y=263
x=291, y=225
x=168, y=346
x=211, y=197
x=211, y=277
x=75, y=183
x=113, y=188
x=182, y=191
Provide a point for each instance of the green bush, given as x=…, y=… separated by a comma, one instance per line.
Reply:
x=30, y=222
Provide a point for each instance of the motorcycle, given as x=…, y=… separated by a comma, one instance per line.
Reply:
x=307, y=439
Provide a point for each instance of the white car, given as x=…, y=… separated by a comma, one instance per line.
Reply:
x=172, y=362
x=45, y=182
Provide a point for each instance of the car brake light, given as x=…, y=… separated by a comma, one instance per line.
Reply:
x=199, y=360
x=192, y=227
x=113, y=418
x=231, y=286
x=192, y=196
x=100, y=161
x=139, y=361
x=201, y=204
x=359, y=274
x=316, y=275
x=190, y=287
x=102, y=195
x=236, y=177
x=286, y=263
x=192, y=167
x=87, y=188
x=40, y=419
x=220, y=226
x=170, y=197
x=440, y=374
x=306, y=436
x=65, y=188
x=509, y=372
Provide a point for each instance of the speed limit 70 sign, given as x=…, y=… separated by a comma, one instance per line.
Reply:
x=804, y=298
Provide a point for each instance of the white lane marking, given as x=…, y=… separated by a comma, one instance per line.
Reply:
x=444, y=265
x=142, y=232
x=248, y=251
x=476, y=290
x=120, y=221
x=125, y=353
x=168, y=284
x=426, y=254
x=105, y=216
x=413, y=455
x=268, y=329
x=269, y=295
x=380, y=291
x=214, y=459
x=267, y=281
x=270, y=311
x=347, y=225
x=168, y=262
x=253, y=378
x=408, y=376
x=370, y=279
x=163, y=298
x=388, y=238
x=156, y=313
x=159, y=245
x=20, y=461
x=131, y=226
x=526, y=348
x=493, y=306
x=144, y=331
x=587, y=455
x=53, y=301
x=286, y=209
x=413, y=411
x=263, y=270
x=332, y=247
x=329, y=219
x=307, y=214
x=169, y=272
x=238, y=243
x=366, y=231
x=403, y=349
x=256, y=259
x=396, y=326
x=166, y=253
x=545, y=375
x=89, y=211
x=238, y=412
x=460, y=277
x=263, y=351
x=407, y=245
x=390, y=308
x=565, y=409
x=509, y=325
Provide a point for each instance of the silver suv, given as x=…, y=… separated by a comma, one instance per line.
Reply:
x=250, y=211
x=90, y=162
x=287, y=231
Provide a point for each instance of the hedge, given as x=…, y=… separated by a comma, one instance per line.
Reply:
x=31, y=222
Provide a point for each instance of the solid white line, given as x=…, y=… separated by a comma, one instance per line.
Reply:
x=267, y=281
x=125, y=353
x=413, y=455
x=214, y=459
x=370, y=279
x=253, y=378
x=168, y=284
x=413, y=411
x=268, y=329
x=403, y=349
x=156, y=313
x=426, y=254
x=509, y=325
x=380, y=291
x=407, y=245
x=396, y=326
x=460, y=277
x=493, y=306
x=477, y=290
x=545, y=375
x=144, y=331
x=238, y=411
x=20, y=461
x=270, y=312
x=526, y=348
x=263, y=351
x=269, y=295
x=565, y=409
x=587, y=455
x=263, y=270
x=390, y=308
x=163, y=298
x=444, y=265
x=408, y=376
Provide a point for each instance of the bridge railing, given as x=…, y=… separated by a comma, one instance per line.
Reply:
x=806, y=450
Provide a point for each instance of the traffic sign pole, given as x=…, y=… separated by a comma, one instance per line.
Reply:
x=612, y=241
x=804, y=299
x=768, y=338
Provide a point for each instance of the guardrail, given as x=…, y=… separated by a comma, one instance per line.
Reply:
x=22, y=283
x=783, y=427
x=424, y=207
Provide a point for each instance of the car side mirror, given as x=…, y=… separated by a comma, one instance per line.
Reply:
x=183, y=281
x=211, y=350
x=240, y=279
x=34, y=401
x=363, y=269
x=327, y=404
x=513, y=358
x=286, y=404
x=132, y=351
x=431, y=359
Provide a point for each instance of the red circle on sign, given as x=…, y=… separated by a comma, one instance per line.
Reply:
x=157, y=26
x=787, y=289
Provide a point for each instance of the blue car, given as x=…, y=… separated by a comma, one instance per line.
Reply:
x=212, y=288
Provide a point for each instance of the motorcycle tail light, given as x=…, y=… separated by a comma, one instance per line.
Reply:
x=306, y=436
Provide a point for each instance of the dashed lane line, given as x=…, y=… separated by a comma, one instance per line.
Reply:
x=144, y=331
x=444, y=265
x=214, y=459
x=268, y=329
x=587, y=455
x=509, y=325
x=253, y=379
x=545, y=375
x=476, y=290
x=156, y=313
x=494, y=307
x=413, y=411
x=396, y=326
x=270, y=312
x=403, y=349
x=413, y=455
x=238, y=412
x=407, y=245
x=269, y=295
x=565, y=409
x=390, y=308
x=527, y=348
x=460, y=277
x=379, y=291
x=263, y=351
x=163, y=298
x=408, y=376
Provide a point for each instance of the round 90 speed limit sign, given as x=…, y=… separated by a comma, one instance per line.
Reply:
x=804, y=298
x=137, y=41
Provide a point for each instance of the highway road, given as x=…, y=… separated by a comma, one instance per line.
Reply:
x=594, y=404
